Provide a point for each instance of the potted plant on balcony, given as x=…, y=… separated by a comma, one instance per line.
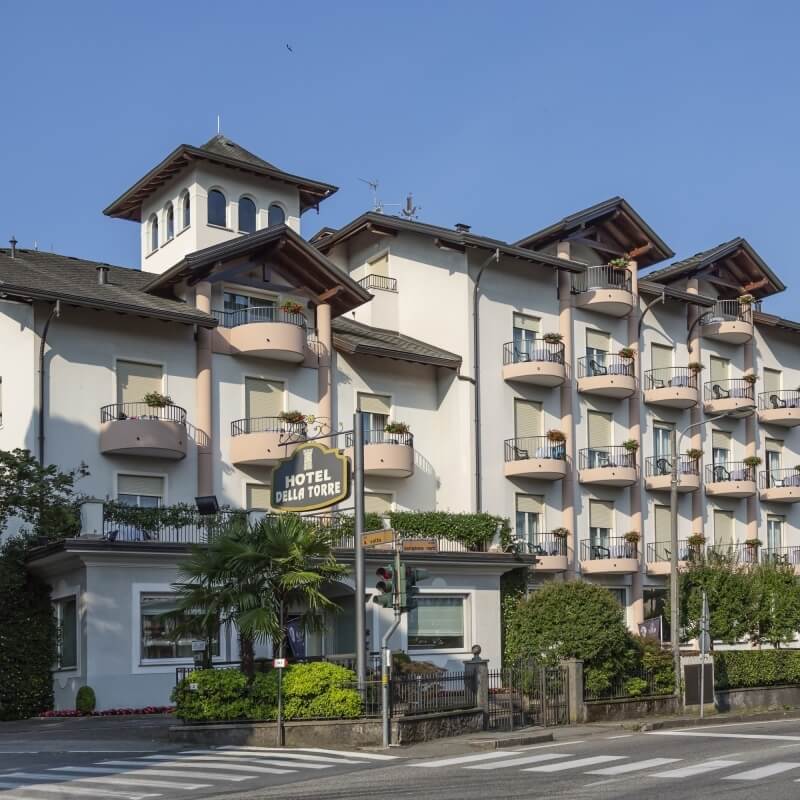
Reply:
x=752, y=546
x=631, y=445
x=397, y=427
x=157, y=400
x=560, y=533
x=555, y=435
x=293, y=417
x=694, y=454
x=695, y=542
x=751, y=461
x=750, y=378
x=619, y=263
x=627, y=352
x=632, y=537
x=291, y=307
x=695, y=366
x=552, y=338
x=747, y=299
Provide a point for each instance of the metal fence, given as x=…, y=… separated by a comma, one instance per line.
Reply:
x=603, y=277
x=779, y=478
x=534, y=447
x=528, y=694
x=148, y=525
x=117, y=412
x=608, y=547
x=600, y=457
x=381, y=436
x=668, y=377
x=538, y=350
x=431, y=692
x=730, y=471
x=657, y=466
x=730, y=311
x=727, y=389
x=244, y=316
x=662, y=551
x=296, y=430
x=605, y=364
x=778, y=398
x=379, y=282
x=641, y=683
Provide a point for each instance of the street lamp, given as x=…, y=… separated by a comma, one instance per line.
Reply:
x=674, y=611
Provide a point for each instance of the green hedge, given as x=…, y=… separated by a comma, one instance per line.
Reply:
x=319, y=690
x=740, y=669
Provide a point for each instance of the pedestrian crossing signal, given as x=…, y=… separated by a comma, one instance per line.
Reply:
x=385, y=586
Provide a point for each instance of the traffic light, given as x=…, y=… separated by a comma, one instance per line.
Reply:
x=386, y=586
x=410, y=590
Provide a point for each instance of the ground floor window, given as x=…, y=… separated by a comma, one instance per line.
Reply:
x=620, y=595
x=65, y=610
x=436, y=623
x=145, y=491
x=655, y=606
x=159, y=639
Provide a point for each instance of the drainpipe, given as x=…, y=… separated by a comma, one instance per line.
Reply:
x=476, y=373
x=694, y=346
x=55, y=311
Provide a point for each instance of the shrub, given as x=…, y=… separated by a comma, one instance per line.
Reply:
x=306, y=681
x=221, y=694
x=635, y=687
x=741, y=669
x=157, y=400
x=85, y=700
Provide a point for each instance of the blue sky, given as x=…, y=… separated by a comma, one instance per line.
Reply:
x=506, y=116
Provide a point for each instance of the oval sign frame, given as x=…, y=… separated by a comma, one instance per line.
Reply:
x=290, y=465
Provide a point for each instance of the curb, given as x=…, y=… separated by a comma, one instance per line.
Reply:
x=510, y=741
x=717, y=719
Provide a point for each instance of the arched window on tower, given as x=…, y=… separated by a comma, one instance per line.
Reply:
x=216, y=208
x=170, y=222
x=247, y=215
x=153, y=233
x=276, y=215
x=187, y=210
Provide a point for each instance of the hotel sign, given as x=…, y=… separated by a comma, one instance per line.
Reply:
x=313, y=477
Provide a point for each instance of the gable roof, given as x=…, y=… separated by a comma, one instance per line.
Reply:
x=373, y=221
x=218, y=150
x=356, y=338
x=35, y=275
x=619, y=222
x=733, y=265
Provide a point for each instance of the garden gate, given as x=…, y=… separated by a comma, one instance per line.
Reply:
x=528, y=694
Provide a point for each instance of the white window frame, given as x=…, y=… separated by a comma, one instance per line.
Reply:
x=468, y=623
x=227, y=225
x=137, y=472
x=67, y=592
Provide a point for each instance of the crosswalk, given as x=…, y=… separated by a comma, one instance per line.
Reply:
x=610, y=766
x=167, y=775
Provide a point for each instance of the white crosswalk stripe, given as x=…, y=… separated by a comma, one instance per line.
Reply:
x=763, y=772
x=515, y=762
x=179, y=773
x=576, y=764
x=345, y=753
x=54, y=788
x=254, y=758
x=260, y=752
x=202, y=762
x=622, y=769
x=696, y=769
x=452, y=762
x=112, y=771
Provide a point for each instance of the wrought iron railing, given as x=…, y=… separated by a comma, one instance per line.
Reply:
x=601, y=457
x=656, y=466
x=781, y=555
x=132, y=411
x=544, y=544
x=268, y=425
x=431, y=692
x=669, y=377
x=526, y=447
x=662, y=551
x=380, y=436
x=730, y=471
x=778, y=478
x=605, y=364
x=244, y=316
x=379, y=282
x=738, y=551
x=165, y=526
x=603, y=277
x=536, y=351
x=730, y=311
x=779, y=398
x=609, y=547
x=728, y=388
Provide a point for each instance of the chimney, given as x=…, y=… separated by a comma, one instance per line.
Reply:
x=13, y=242
x=102, y=275
x=462, y=227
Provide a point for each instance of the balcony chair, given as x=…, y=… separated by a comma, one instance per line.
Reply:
x=658, y=383
x=598, y=551
x=596, y=368
x=521, y=356
x=718, y=393
x=520, y=453
x=720, y=473
x=663, y=467
x=777, y=402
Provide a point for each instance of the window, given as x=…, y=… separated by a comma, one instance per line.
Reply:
x=598, y=344
x=247, y=215
x=376, y=409
x=774, y=447
x=655, y=606
x=187, y=210
x=436, y=623
x=153, y=233
x=259, y=496
x=157, y=628
x=720, y=447
x=772, y=380
x=275, y=215
x=170, y=222
x=774, y=533
x=526, y=329
x=65, y=610
x=723, y=528
x=663, y=531
x=720, y=369
x=529, y=517
x=601, y=522
x=661, y=359
x=145, y=491
x=135, y=380
x=217, y=211
x=620, y=595
x=377, y=503
x=662, y=441
x=262, y=398
x=599, y=428
x=379, y=266
x=527, y=419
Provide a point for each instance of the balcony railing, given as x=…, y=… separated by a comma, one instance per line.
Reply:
x=780, y=555
x=604, y=277
x=380, y=436
x=729, y=471
x=656, y=466
x=605, y=364
x=527, y=447
x=662, y=551
x=379, y=282
x=778, y=478
x=738, y=551
x=123, y=411
x=728, y=388
x=539, y=350
x=669, y=377
x=267, y=425
x=544, y=544
x=780, y=398
x=600, y=457
x=730, y=311
x=244, y=316
x=611, y=547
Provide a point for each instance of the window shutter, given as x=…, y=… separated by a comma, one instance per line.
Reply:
x=377, y=503
x=599, y=429
x=140, y=484
x=772, y=380
x=258, y=496
x=527, y=418
x=663, y=524
x=380, y=266
x=660, y=356
x=527, y=323
x=262, y=398
x=601, y=514
x=723, y=527
x=773, y=445
x=135, y=380
x=530, y=503
x=721, y=440
x=598, y=340
x=720, y=369
x=375, y=403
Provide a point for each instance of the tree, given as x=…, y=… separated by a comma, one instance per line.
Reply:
x=775, y=607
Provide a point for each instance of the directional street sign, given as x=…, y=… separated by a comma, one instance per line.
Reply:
x=419, y=546
x=373, y=538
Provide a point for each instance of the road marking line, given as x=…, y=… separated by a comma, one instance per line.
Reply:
x=227, y=758
x=741, y=724
x=696, y=769
x=69, y=789
x=623, y=736
x=148, y=769
x=768, y=736
x=552, y=744
x=349, y=754
x=763, y=772
x=515, y=762
x=448, y=762
x=621, y=769
x=578, y=762
x=121, y=781
x=111, y=771
x=166, y=761
x=261, y=752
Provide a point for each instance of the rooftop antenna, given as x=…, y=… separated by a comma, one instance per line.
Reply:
x=410, y=211
x=377, y=206
x=218, y=124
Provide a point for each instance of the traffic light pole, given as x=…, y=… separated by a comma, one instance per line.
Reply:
x=386, y=655
x=360, y=600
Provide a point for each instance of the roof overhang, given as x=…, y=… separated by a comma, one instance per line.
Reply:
x=656, y=289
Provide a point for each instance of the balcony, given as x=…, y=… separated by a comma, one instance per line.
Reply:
x=606, y=290
x=535, y=457
x=386, y=455
x=739, y=552
x=784, y=556
x=539, y=363
x=671, y=387
x=728, y=395
x=780, y=407
x=730, y=479
x=607, y=466
x=658, y=474
x=265, y=332
x=137, y=429
x=779, y=485
x=550, y=550
x=381, y=282
x=606, y=376
x=609, y=556
x=659, y=556
x=729, y=321
x=263, y=441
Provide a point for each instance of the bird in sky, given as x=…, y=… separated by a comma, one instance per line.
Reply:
x=289, y=49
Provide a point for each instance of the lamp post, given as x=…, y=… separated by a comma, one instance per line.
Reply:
x=674, y=610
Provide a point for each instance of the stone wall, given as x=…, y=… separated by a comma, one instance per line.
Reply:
x=764, y=697
x=629, y=708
